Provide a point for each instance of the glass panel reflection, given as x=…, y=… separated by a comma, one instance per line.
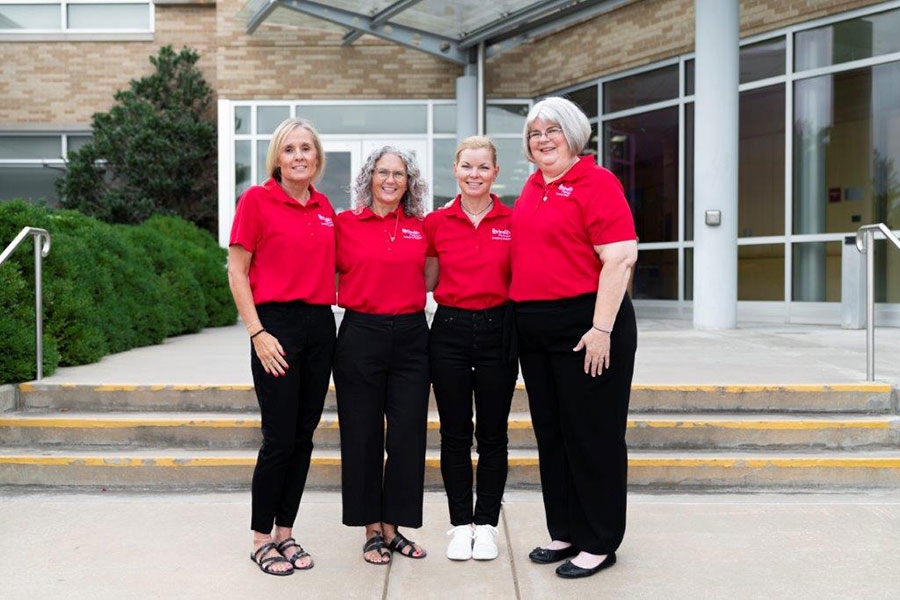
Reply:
x=816, y=272
x=642, y=151
x=109, y=16
x=762, y=60
x=30, y=147
x=640, y=89
x=242, y=167
x=761, y=168
x=268, y=118
x=444, y=118
x=865, y=37
x=761, y=272
x=505, y=118
x=367, y=118
x=445, y=188
x=242, y=119
x=37, y=184
x=586, y=99
x=656, y=275
x=336, y=182
x=18, y=17
x=262, y=147
x=514, y=170
x=846, y=154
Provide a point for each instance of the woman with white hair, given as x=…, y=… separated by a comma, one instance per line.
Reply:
x=573, y=249
x=381, y=358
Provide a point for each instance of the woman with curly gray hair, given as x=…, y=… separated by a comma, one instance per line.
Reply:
x=381, y=357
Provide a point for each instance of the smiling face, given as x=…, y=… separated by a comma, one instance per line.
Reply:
x=389, y=179
x=297, y=158
x=549, y=147
x=475, y=172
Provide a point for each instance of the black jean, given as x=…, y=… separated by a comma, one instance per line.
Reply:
x=381, y=372
x=290, y=407
x=579, y=420
x=469, y=354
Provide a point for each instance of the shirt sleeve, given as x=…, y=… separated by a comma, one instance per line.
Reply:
x=245, y=229
x=430, y=228
x=607, y=215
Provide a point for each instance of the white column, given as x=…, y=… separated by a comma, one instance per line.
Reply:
x=226, y=170
x=716, y=163
x=467, y=104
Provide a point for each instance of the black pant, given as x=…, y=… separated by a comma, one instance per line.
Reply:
x=381, y=372
x=290, y=406
x=579, y=420
x=469, y=353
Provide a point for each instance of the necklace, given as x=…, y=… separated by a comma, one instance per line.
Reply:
x=473, y=216
x=393, y=236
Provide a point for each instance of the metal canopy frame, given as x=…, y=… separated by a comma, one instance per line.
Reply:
x=512, y=29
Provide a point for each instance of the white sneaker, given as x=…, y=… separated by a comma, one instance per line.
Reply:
x=485, y=544
x=460, y=546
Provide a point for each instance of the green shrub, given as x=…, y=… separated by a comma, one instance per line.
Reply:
x=107, y=288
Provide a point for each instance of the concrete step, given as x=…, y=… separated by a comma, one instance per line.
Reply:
x=836, y=398
x=217, y=469
x=645, y=431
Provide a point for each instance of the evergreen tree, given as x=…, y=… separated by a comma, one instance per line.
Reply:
x=154, y=152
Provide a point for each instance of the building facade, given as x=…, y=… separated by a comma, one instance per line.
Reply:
x=818, y=122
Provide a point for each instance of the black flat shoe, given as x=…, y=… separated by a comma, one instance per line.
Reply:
x=569, y=571
x=545, y=556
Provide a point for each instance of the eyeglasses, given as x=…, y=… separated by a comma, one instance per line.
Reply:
x=551, y=132
x=384, y=174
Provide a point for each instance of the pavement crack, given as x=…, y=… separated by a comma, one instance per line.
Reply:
x=512, y=554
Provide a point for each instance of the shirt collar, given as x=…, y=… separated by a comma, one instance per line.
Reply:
x=275, y=188
x=581, y=167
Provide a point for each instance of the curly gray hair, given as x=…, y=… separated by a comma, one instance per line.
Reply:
x=413, y=201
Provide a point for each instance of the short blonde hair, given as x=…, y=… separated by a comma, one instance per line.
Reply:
x=476, y=142
x=567, y=115
x=281, y=132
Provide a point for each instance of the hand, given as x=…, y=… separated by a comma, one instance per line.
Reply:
x=270, y=354
x=596, y=346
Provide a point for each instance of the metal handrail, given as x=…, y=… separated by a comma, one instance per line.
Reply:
x=865, y=237
x=41, y=250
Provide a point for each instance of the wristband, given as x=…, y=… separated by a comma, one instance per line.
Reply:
x=257, y=333
x=609, y=332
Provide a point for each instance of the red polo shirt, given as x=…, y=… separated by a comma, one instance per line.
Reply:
x=474, y=262
x=556, y=226
x=379, y=275
x=292, y=244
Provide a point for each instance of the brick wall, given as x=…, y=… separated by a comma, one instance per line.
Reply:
x=639, y=33
x=65, y=82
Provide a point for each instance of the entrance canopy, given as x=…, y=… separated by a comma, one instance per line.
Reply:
x=450, y=30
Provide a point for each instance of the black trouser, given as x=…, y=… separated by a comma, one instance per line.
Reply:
x=290, y=406
x=579, y=420
x=381, y=372
x=470, y=353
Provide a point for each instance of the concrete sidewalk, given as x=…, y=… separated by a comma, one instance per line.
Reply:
x=728, y=546
x=669, y=352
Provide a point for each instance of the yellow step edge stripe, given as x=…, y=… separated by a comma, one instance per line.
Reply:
x=514, y=425
x=725, y=462
x=638, y=387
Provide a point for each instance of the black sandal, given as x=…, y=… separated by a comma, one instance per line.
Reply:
x=296, y=556
x=399, y=543
x=265, y=564
x=376, y=542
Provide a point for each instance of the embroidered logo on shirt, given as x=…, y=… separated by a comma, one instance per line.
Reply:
x=326, y=221
x=411, y=234
x=564, y=191
x=502, y=235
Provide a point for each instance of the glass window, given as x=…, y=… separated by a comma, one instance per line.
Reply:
x=593, y=144
x=505, y=118
x=762, y=60
x=761, y=163
x=816, y=272
x=334, y=183
x=887, y=269
x=689, y=77
x=847, y=150
x=642, y=150
x=17, y=17
x=444, y=118
x=108, y=16
x=641, y=89
x=761, y=272
x=444, y=183
x=30, y=147
x=514, y=170
x=656, y=275
x=262, y=146
x=688, y=273
x=689, y=171
x=368, y=118
x=242, y=119
x=586, y=98
x=76, y=142
x=242, y=168
x=865, y=37
x=268, y=118
x=35, y=183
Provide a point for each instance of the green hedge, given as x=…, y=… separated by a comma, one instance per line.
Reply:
x=107, y=288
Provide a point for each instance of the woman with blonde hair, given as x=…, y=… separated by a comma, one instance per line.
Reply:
x=281, y=262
